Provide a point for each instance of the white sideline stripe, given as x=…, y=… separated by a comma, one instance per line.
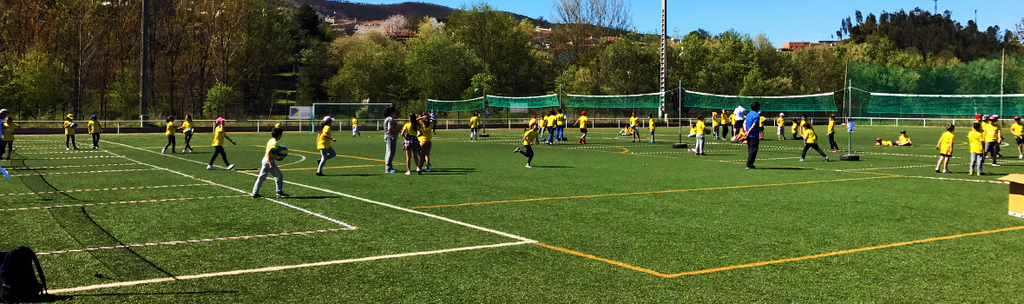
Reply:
x=66, y=167
x=61, y=152
x=350, y=196
x=82, y=172
x=235, y=189
x=279, y=268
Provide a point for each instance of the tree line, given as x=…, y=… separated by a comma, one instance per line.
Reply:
x=252, y=58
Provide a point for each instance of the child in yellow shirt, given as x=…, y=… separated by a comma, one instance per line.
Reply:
x=323, y=143
x=714, y=125
x=945, y=148
x=355, y=126
x=811, y=142
x=1018, y=134
x=976, y=138
x=8, y=136
x=582, y=121
x=94, y=130
x=699, y=129
x=186, y=128
x=171, y=139
x=528, y=139
x=781, y=124
x=650, y=125
x=69, y=132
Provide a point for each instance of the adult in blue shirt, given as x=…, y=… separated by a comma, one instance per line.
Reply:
x=752, y=131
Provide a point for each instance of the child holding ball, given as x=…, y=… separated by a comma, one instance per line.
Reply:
x=270, y=166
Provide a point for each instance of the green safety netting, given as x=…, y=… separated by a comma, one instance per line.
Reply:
x=824, y=102
x=950, y=90
x=532, y=102
x=641, y=101
x=474, y=104
x=887, y=103
x=342, y=111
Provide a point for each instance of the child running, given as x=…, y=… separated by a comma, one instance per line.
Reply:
x=582, y=121
x=424, y=136
x=528, y=138
x=94, y=130
x=945, y=148
x=269, y=166
x=69, y=132
x=474, y=126
x=323, y=143
x=411, y=144
x=975, y=138
x=171, y=139
x=218, y=143
x=811, y=142
x=650, y=125
x=8, y=137
x=186, y=127
x=355, y=126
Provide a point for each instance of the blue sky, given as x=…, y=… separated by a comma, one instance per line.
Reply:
x=782, y=21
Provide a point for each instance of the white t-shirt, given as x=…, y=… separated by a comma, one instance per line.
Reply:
x=740, y=113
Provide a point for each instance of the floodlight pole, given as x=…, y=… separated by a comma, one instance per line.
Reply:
x=1002, y=80
x=664, y=55
x=144, y=66
x=680, y=113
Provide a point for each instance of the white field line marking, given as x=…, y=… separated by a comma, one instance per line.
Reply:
x=82, y=172
x=125, y=202
x=103, y=189
x=296, y=162
x=36, y=147
x=280, y=268
x=65, y=167
x=195, y=241
x=350, y=196
x=777, y=158
x=62, y=152
x=232, y=188
x=77, y=157
x=901, y=154
x=963, y=180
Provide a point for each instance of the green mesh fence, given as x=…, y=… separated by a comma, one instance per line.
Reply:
x=824, y=102
x=474, y=104
x=533, y=102
x=950, y=90
x=949, y=105
x=642, y=101
x=342, y=112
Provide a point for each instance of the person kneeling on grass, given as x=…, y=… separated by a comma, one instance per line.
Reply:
x=270, y=166
x=945, y=148
x=904, y=140
x=693, y=130
x=811, y=142
x=528, y=139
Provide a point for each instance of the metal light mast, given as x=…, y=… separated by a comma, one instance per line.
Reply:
x=144, y=66
x=664, y=56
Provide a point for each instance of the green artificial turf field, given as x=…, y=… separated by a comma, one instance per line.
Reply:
x=610, y=221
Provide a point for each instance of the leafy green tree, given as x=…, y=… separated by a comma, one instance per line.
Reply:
x=307, y=20
x=374, y=70
x=630, y=68
x=439, y=66
x=124, y=96
x=217, y=101
x=41, y=84
x=504, y=46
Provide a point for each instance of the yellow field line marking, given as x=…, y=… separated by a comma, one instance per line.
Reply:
x=314, y=168
x=339, y=155
x=624, y=150
x=593, y=257
x=652, y=192
x=779, y=261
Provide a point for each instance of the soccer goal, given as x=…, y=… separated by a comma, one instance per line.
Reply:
x=367, y=113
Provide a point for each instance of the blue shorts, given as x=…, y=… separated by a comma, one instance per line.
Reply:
x=1020, y=141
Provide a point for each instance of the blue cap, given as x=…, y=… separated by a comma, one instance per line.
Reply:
x=93, y=117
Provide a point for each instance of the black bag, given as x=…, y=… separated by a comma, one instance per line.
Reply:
x=18, y=277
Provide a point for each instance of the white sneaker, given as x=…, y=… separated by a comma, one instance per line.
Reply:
x=209, y=167
x=232, y=166
x=529, y=166
x=1021, y=156
x=801, y=159
x=408, y=172
x=163, y=151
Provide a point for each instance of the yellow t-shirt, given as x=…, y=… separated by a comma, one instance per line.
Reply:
x=532, y=121
x=794, y=127
x=68, y=130
x=474, y=122
x=552, y=120
x=634, y=122
x=9, y=129
x=271, y=146
x=650, y=124
x=732, y=118
x=699, y=127
x=94, y=127
x=560, y=119
x=760, y=123
x=781, y=122
x=714, y=119
x=990, y=133
x=186, y=126
x=885, y=143
x=322, y=142
x=583, y=122
x=803, y=122
x=409, y=129
x=904, y=139
x=530, y=136
x=831, y=126
x=944, y=143
x=725, y=120
x=425, y=133
x=355, y=122
x=543, y=121
x=975, y=139
x=1016, y=129
x=170, y=129
x=810, y=137
x=218, y=136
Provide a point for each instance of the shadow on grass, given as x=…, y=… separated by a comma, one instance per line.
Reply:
x=50, y=299
x=153, y=293
x=555, y=167
x=783, y=168
x=363, y=175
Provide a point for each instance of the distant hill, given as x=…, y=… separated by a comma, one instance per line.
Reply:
x=362, y=11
